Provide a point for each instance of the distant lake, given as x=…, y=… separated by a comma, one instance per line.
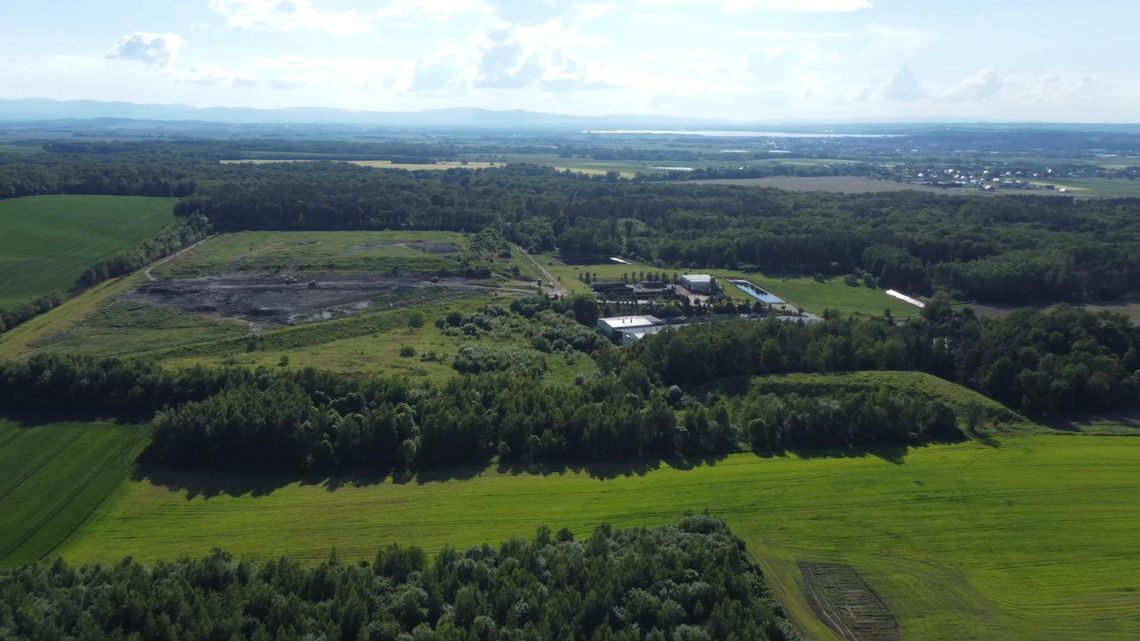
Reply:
x=717, y=133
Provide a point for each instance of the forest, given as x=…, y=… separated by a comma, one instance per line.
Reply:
x=690, y=582
x=648, y=401
x=1013, y=249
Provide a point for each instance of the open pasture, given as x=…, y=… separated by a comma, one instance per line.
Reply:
x=951, y=537
x=50, y=240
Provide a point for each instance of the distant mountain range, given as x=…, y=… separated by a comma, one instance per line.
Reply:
x=43, y=109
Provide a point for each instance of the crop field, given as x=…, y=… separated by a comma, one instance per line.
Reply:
x=1127, y=305
x=798, y=291
x=951, y=537
x=379, y=164
x=55, y=476
x=50, y=240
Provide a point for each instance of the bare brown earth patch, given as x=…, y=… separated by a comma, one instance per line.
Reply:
x=843, y=600
x=279, y=300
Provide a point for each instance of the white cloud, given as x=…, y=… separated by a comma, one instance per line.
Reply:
x=216, y=76
x=744, y=6
x=287, y=85
x=902, y=87
x=442, y=72
x=289, y=16
x=156, y=49
x=983, y=84
x=504, y=63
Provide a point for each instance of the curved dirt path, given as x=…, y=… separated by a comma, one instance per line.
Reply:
x=161, y=261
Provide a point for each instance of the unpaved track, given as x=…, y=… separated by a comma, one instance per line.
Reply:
x=556, y=288
x=161, y=261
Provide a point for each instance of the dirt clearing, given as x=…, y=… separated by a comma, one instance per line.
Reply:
x=842, y=599
x=264, y=301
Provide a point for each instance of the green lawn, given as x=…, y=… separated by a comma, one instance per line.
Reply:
x=55, y=476
x=1029, y=540
x=50, y=240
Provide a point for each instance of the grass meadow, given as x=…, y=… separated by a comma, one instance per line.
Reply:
x=50, y=240
x=1026, y=540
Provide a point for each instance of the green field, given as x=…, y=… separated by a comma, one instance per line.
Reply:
x=797, y=291
x=55, y=476
x=334, y=251
x=1028, y=540
x=379, y=164
x=50, y=240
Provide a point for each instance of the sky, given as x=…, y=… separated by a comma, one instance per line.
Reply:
x=742, y=60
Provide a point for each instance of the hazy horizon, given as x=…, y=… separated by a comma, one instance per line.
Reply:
x=743, y=61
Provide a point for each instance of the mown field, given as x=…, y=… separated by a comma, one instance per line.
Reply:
x=1026, y=540
x=378, y=164
x=50, y=240
x=798, y=291
x=55, y=476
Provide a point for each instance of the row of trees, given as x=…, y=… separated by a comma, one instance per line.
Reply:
x=1040, y=362
x=689, y=582
x=168, y=240
x=23, y=312
x=860, y=419
x=1011, y=249
x=638, y=407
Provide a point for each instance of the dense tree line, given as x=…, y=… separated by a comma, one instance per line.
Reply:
x=689, y=582
x=182, y=233
x=135, y=174
x=1009, y=249
x=1040, y=362
x=648, y=404
x=23, y=312
x=860, y=419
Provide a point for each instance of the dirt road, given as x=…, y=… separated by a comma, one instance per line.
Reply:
x=555, y=287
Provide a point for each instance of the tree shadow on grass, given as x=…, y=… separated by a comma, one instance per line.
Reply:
x=612, y=469
x=41, y=418
x=209, y=483
x=895, y=453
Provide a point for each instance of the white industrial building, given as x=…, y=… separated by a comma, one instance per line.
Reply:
x=698, y=282
x=633, y=335
x=615, y=327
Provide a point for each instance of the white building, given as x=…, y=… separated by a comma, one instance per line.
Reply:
x=698, y=282
x=612, y=327
x=633, y=335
